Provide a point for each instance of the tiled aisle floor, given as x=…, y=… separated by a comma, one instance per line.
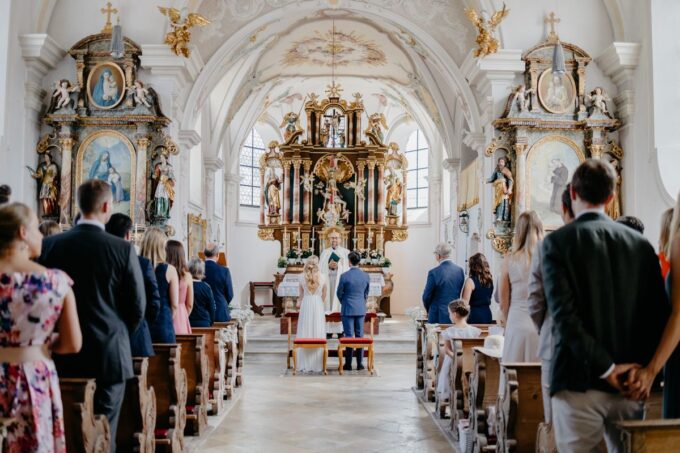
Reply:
x=352, y=413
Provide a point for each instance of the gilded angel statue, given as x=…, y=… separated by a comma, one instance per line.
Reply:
x=486, y=29
x=181, y=21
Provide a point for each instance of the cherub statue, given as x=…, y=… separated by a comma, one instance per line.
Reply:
x=487, y=43
x=307, y=182
x=291, y=121
x=376, y=123
x=313, y=97
x=522, y=97
x=598, y=101
x=62, y=91
x=140, y=93
x=178, y=39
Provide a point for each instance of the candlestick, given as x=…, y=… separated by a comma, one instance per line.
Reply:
x=355, y=243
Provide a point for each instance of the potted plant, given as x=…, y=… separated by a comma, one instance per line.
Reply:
x=364, y=256
x=306, y=253
x=375, y=257
x=292, y=256
x=281, y=265
x=386, y=265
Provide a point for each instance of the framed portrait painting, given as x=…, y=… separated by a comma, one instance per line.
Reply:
x=550, y=164
x=197, y=227
x=106, y=85
x=109, y=156
x=557, y=94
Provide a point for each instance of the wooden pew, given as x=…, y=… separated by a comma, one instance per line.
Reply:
x=137, y=421
x=519, y=410
x=194, y=362
x=650, y=436
x=239, y=353
x=169, y=381
x=484, y=383
x=216, y=366
x=229, y=332
x=85, y=431
x=461, y=367
x=420, y=341
x=430, y=352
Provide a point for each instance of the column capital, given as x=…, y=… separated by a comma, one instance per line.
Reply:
x=475, y=140
x=188, y=139
x=41, y=54
x=451, y=165
x=501, y=66
x=232, y=178
x=160, y=60
x=618, y=62
x=212, y=164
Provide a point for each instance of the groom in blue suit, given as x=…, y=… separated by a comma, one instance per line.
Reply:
x=352, y=293
x=444, y=284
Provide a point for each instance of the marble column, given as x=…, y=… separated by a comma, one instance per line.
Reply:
x=66, y=193
x=371, y=192
x=286, y=192
x=262, y=207
x=381, y=194
x=296, y=190
x=143, y=142
x=211, y=165
x=361, y=167
x=307, y=194
x=404, y=203
x=520, y=186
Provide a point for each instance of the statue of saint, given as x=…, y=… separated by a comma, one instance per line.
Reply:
x=272, y=192
x=164, y=192
x=291, y=123
x=394, y=194
x=47, y=175
x=613, y=209
x=502, y=190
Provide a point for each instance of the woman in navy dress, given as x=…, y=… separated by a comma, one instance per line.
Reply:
x=203, y=311
x=153, y=248
x=478, y=290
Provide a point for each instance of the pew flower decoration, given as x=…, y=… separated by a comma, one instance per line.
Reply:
x=229, y=334
x=416, y=314
x=242, y=315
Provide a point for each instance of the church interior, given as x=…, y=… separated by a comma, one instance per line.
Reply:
x=280, y=130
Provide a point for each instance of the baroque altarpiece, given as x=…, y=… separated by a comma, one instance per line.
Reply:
x=551, y=123
x=106, y=125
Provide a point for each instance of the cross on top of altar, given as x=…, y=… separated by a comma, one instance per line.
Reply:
x=335, y=127
x=552, y=19
x=108, y=11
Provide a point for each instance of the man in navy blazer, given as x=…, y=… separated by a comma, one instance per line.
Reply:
x=352, y=293
x=444, y=284
x=219, y=279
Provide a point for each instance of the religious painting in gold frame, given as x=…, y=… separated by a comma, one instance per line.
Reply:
x=550, y=164
x=106, y=85
x=109, y=156
x=197, y=227
x=557, y=94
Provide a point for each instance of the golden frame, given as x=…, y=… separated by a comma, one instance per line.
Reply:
x=133, y=164
x=195, y=223
x=534, y=148
x=569, y=106
x=88, y=88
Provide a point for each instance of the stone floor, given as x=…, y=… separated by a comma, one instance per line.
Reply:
x=278, y=412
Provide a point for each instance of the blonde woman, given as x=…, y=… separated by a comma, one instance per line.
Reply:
x=153, y=248
x=521, y=339
x=312, y=320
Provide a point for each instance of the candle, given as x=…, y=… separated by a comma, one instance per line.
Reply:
x=313, y=232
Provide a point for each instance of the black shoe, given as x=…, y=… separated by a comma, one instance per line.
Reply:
x=360, y=367
x=347, y=368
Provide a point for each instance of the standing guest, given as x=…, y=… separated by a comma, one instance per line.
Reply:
x=33, y=301
x=602, y=283
x=521, y=339
x=667, y=352
x=174, y=252
x=664, y=242
x=538, y=310
x=153, y=248
x=219, y=279
x=49, y=228
x=478, y=290
x=203, y=313
x=444, y=284
x=5, y=192
x=632, y=222
x=141, y=345
x=352, y=292
x=109, y=290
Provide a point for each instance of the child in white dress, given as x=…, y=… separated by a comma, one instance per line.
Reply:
x=458, y=312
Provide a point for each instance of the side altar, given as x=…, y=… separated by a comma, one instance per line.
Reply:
x=330, y=176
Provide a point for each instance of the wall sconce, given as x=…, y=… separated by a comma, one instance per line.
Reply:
x=463, y=221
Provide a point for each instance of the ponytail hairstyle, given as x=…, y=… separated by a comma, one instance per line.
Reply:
x=312, y=275
x=459, y=307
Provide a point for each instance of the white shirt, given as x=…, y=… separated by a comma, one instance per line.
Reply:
x=93, y=222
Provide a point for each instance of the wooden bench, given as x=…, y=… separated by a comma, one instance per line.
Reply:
x=137, y=421
x=420, y=342
x=216, y=366
x=519, y=410
x=233, y=344
x=85, y=432
x=484, y=383
x=462, y=366
x=194, y=362
x=169, y=381
x=240, y=354
x=650, y=436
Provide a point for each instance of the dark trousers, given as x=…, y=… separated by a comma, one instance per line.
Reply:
x=108, y=400
x=353, y=327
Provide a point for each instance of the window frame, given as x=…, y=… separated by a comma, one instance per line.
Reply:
x=413, y=173
x=254, y=166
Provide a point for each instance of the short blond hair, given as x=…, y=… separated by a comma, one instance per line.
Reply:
x=153, y=246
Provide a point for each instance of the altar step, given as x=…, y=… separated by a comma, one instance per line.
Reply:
x=270, y=345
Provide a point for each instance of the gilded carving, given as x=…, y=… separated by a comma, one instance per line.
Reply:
x=399, y=235
x=266, y=234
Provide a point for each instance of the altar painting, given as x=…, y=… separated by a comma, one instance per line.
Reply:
x=550, y=165
x=106, y=85
x=109, y=156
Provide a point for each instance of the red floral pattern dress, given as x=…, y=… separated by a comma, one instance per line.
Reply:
x=30, y=305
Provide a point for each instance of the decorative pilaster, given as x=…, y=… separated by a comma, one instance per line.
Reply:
x=286, y=191
x=41, y=54
x=307, y=194
x=361, y=167
x=66, y=142
x=619, y=62
x=296, y=190
x=520, y=186
x=381, y=195
x=453, y=167
x=211, y=165
x=404, y=199
x=262, y=207
x=371, y=192
x=143, y=142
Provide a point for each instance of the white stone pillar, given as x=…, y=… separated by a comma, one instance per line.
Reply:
x=211, y=165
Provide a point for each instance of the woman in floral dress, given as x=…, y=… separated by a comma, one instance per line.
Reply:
x=34, y=302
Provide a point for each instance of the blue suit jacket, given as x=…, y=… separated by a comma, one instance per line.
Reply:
x=444, y=284
x=353, y=291
x=219, y=279
x=140, y=340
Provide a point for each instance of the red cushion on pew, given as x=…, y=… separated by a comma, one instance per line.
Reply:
x=161, y=432
x=310, y=341
x=356, y=340
x=190, y=409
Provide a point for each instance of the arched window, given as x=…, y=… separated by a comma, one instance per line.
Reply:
x=417, y=153
x=249, y=169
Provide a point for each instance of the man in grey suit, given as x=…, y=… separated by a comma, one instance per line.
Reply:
x=110, y=298
x=606, y=297
x=352, y=293
x=538, y=310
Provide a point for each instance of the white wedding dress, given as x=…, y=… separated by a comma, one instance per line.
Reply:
x=311, y=324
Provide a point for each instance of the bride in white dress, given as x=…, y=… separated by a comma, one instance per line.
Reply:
x=312, y=320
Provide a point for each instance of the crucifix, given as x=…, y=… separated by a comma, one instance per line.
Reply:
x=552, y=19
x=333, y=120
x=108, y=11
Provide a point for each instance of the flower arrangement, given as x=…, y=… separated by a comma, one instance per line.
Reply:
x=416, y=313
x=385, y=262
x=243, y=315
x=282, y=262
x=306, y=253
x=293, y=253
